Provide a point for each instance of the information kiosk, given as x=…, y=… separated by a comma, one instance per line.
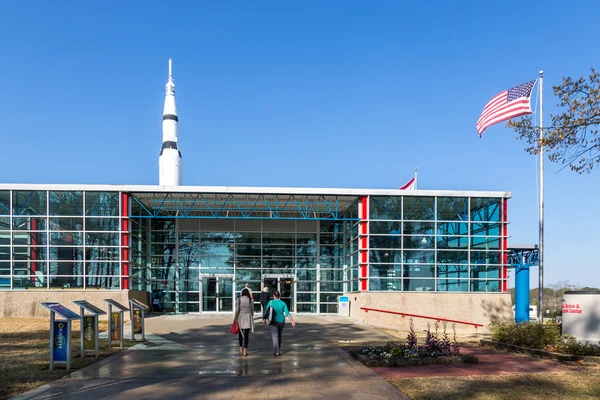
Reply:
x=115, y=322
x=89, y=327
x=137, y=318
x=60, y=334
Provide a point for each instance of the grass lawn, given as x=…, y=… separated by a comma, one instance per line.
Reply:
x=582, y=382
x=24, y=351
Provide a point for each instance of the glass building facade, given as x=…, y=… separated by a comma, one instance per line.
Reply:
x=201, y=249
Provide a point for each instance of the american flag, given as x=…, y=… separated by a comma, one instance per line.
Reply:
x=508, y=104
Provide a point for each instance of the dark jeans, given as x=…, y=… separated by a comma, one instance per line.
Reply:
x=244, y=336
x=276, y=330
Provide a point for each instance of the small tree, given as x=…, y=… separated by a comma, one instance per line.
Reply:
x=572, y=138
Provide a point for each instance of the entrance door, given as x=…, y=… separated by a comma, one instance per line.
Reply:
x=285, y=286
x=217, y=294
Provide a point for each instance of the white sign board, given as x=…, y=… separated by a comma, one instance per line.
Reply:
x=581, y=315
x=344, y=306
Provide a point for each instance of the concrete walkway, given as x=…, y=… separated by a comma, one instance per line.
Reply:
x=195, y=357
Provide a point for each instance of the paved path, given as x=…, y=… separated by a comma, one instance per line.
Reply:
x=195, y=357
x=490, y=363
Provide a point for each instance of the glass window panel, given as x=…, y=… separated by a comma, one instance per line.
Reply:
x=385, y=242
x=65, y=253
x=453, y=257
x=385, y=227
x=308, y=262
x=306, y=308
x=217, y=249
x=486, y=257
x=453, y=271
x=332, y=274
x=101, y=239
x=5, y=253
x=189, y=307
x=419, y=242
x=331, y=227
x=307, y=286
x=334, y=262
x=329, y=308
x=278, y=251
x=66, y=203
x=485, y=243
x=306, y=297
x=307, y=275
x=247, y=274
x=103, y=204
x=354, y=286
x=248, y=263
x=385, y=270
x=4, y=268
x=453, y=228
x=189, y=262
x=452, y=208
x=216, y=262
x=102, y=268
x=161, y=248
x=29, y=267
x=29, y=282
x=66, y=224
x=4, y=282
x=248, y=249
x=330, y=251
x=162, y=224
x=4, y=202
x=189, y=274
x=105, y=282
x=66, y=267
x=189, y=250
x=419, y=285
x=304, y=250
x=29, y=238
x=418, y=208
x=385, y=285
x=385, y=207
x=162, y=237
x=453, y=242
x=481, y=272
x=385, y=256
x=485, y=229
x=332, y=286
x=29, y=223
x=218, y=237
x=66, y=238
x=329, y=297
x=328, y=239
x=102, y=224
x=189, y=237
x=66, y=282
x=306, y=238
x=4, y=223
x=419, y=228
x=419, y=256
x=29, y=202
x=452, y=285
x=419, y=271
x=485, y=209
x=248, y=238
x=485, y=286
x=279, y=238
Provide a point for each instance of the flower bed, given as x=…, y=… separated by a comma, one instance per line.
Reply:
x=437, y=349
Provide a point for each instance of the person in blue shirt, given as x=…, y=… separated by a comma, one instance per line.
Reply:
x=280, y=311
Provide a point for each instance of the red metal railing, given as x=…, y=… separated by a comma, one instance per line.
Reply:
x=403, y=314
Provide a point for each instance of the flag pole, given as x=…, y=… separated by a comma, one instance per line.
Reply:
x=541, y=243
x=416, y=178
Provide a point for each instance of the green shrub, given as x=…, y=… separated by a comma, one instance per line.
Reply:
x=527, y=334
x=570, y=345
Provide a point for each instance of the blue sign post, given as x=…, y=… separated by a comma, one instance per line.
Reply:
x=60, y=334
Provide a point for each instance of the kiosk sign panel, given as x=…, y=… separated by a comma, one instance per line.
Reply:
x=60, y=341
x=61, y=310
x=115, y=323
x=137, y=320
x=89, y=332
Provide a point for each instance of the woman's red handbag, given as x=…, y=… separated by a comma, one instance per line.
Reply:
x=235, y=327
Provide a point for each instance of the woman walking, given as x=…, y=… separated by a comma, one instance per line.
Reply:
x=243, y=315
x=277, y=311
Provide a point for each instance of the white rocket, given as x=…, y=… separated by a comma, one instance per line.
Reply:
x=169, y=161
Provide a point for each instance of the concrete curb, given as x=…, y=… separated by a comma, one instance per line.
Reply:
x=542, y=353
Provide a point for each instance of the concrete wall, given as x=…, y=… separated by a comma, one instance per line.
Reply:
x=481, y=308
x=26, y=303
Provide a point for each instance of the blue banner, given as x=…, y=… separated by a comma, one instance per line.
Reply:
x=60, y=341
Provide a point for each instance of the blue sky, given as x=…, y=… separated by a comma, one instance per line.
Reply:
x=317, y=94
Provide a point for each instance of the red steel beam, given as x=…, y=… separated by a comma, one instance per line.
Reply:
x=367, y=309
